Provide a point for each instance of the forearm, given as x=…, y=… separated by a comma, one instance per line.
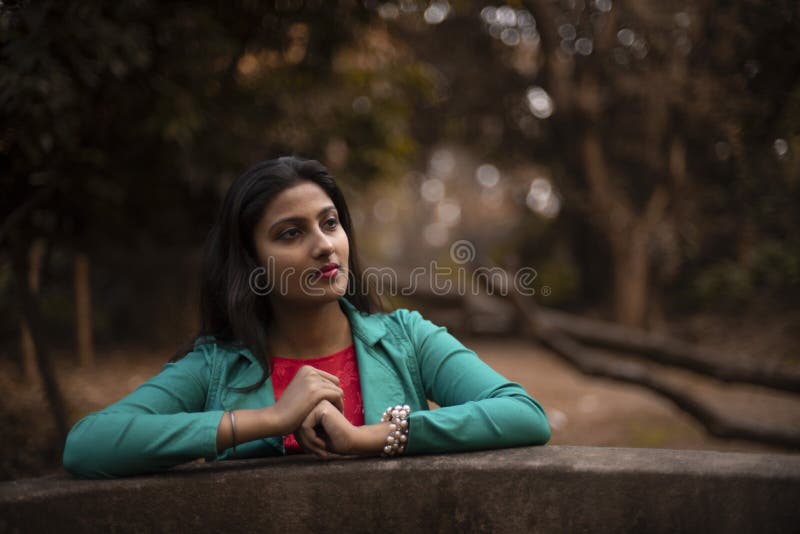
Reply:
x=370, y=439
x=250, y=425
x=109, y=444
x=485, y=424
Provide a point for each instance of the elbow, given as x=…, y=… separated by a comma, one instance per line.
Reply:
x=540, y=431
x=543, y=432
x=80, y=458
x=73, y=458
x=73, y=461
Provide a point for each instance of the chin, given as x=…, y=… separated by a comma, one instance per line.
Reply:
x=330, y=294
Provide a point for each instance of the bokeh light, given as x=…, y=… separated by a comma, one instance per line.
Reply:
x=388, y=11
x=510, y=36
x=539, y=102
x=584, y=46
x=435, y=234
x=436, y=12
x=542, y=199
x=442, y=163
x=448, y=212
x=603, y=5
x=487, y=175
x=432, y=190
x=567, y=32
x=781, y=147
x=511, y=26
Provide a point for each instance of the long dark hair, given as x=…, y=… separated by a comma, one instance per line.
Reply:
x=232, y=313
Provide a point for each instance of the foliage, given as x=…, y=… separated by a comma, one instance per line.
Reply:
x=124, y=122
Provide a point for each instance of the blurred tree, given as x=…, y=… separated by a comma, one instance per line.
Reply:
x=670, y=128
x=124, y=122
x=651, y=91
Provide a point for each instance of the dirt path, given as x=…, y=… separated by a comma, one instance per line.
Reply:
x=591, y=411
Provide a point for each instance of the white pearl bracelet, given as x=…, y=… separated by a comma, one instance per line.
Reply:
x=396, y=441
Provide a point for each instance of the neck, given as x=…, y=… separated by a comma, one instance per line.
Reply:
x=309, y=332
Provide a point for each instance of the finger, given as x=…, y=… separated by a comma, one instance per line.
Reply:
x=332, y=394
x=339, y=403
x=313, y=444
x=313, y=438
x=308, y=432
x=310, y=373
x=328, y=376
x=337, y=399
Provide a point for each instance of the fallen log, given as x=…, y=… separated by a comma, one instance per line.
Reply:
x=669, y=351
x=717, y=425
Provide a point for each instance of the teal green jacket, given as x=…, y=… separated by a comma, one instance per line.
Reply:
x=402, y=359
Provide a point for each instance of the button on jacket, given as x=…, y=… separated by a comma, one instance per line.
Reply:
x=402, y=359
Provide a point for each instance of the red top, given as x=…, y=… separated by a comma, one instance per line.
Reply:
x=343, y=364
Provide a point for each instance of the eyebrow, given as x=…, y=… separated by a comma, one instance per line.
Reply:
x=298, y=219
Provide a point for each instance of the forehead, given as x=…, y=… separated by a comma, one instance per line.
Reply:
x=303, y=199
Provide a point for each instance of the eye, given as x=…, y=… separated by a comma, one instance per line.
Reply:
x=331, y=223
x=291, y=233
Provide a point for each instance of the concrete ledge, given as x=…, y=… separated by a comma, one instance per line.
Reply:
x=535, y=489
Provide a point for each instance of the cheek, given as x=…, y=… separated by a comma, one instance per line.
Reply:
x=344, y=247
x=273, y=259
x=264, y=255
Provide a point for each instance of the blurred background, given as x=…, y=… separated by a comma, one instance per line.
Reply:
x=640, y=156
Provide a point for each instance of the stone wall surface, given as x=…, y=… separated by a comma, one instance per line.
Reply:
x=532, y=489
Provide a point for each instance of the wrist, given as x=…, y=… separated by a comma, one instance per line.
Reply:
x=272, y=421
x=370, y=439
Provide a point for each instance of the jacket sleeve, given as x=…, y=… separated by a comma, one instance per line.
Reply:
x=480, y=409
x=156, y=427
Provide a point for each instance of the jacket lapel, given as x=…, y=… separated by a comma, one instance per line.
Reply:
x=380, y=382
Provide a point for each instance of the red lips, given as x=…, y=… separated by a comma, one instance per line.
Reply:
x=329, y=267
x=327, y=271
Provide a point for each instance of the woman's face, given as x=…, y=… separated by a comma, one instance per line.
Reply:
x=302, y=246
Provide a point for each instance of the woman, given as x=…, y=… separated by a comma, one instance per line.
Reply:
x=291, y=357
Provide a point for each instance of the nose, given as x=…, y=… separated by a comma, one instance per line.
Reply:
x=323, y=246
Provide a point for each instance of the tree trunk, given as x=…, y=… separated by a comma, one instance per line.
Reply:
x=83, y=310
x=631, y=276
x=30, y=311
x=626, y=232
x=26, y=340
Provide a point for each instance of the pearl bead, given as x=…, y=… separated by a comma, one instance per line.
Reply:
x=398, y=428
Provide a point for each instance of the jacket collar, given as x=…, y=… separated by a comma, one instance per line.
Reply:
x=368, y=327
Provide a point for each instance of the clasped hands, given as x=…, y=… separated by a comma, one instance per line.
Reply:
x=311, y=407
